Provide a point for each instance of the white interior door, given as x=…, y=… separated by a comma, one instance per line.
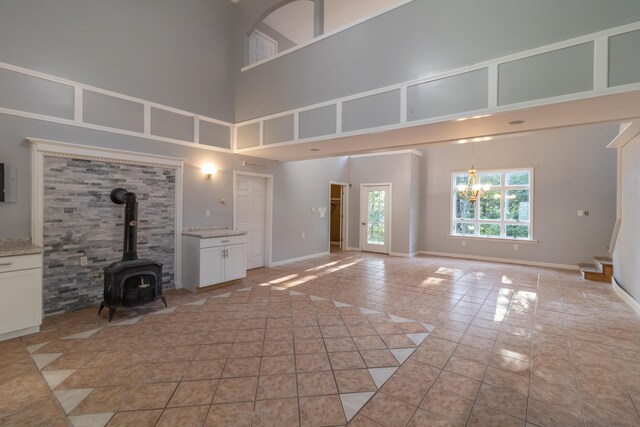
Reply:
x=251, y=202
x=261, y=47
x=375, y=214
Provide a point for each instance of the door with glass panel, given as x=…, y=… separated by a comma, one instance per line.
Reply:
x=375, y=214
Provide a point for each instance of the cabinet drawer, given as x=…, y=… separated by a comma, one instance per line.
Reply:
x=223, y=241
x=20, y=262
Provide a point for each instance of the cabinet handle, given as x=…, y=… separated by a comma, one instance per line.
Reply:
x=224, y=241
x=226, y=253
x=6, y=264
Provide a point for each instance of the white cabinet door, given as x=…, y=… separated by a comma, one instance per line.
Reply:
x=211, y=266
x=21, y=303
x=235, y=265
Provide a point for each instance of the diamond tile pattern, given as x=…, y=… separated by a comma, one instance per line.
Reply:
x=313, y=343
x=224, y=346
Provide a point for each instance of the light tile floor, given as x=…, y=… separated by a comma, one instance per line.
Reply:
x=347, y=337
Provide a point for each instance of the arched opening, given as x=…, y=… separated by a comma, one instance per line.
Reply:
x=284, y=28
x=291, y=23
x=338, y=13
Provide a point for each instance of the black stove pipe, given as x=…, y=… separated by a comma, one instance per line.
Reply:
x=130, y=200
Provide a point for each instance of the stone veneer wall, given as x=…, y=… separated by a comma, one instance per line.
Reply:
x=81, y=220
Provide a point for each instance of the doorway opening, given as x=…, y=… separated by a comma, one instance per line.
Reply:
x=338, y=216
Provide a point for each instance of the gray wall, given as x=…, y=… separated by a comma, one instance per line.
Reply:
x=626, y=256
x=395, y=169
x=175, y=53
x=298, y=187
x=420, y=38
x=199, y=194
x=573, y=171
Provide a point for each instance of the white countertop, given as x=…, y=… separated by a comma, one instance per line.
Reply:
x=211, y=232
x=15, y=247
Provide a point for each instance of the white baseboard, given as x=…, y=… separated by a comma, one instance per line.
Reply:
x=625, y=296
x=504, y=260
x=55, y=313
x=354, y=249
x=302, y=258
x=402, y=254
x=19, y=333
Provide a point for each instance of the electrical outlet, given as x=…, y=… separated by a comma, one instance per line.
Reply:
x=515, y=247
x=83, y=260
x=207, y=213
x=304, y=234
x=464, y=243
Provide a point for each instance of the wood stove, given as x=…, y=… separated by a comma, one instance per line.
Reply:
x=131, y=281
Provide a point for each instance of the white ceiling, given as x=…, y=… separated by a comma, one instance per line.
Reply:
x=604, y=109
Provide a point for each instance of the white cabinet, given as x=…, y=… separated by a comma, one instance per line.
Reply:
x=212, y=265
x=209, y=261
x=21, y=291
x=235, y=265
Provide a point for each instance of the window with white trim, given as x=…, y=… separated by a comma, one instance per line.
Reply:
x=504, y=212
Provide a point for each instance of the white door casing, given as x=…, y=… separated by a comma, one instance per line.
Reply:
x=252, y=213
x=375, y=218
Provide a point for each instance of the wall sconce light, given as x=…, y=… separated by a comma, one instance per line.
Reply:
x=209, y=170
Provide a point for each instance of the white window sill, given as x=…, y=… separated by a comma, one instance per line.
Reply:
x=491, y=239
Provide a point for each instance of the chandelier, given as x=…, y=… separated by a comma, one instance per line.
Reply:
x=473, y=190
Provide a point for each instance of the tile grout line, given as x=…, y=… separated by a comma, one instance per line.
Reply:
x=531, y=331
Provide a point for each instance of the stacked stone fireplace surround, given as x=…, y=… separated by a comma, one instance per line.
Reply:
x=81, y=221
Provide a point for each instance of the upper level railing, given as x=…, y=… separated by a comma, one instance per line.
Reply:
x=584, y=67
x=579, y=68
